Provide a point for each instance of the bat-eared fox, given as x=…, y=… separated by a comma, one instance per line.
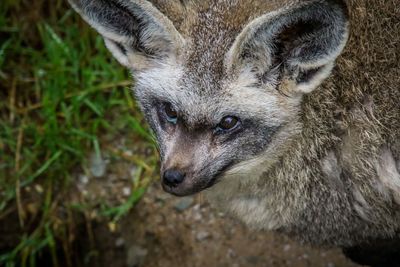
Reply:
x=240, y=99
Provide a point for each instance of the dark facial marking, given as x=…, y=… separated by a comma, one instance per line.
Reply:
x=218, y=174
x=228, y=124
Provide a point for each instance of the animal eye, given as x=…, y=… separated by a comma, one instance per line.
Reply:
x=170, y=112
x=228, y=123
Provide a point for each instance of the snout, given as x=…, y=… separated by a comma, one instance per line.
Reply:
x=173, y=177
x=188, y=163
x=181, y=182
x=178, y=182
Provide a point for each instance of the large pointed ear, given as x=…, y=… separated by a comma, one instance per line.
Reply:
x=294, y=47
x=136, y=33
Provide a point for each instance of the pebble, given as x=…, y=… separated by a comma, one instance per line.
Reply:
x=83, y=179
x=221, y=214
x=231, y=253
x=97, y=165
x=202, y=235
x=196, y=207
x=133, y=171
x=286, y=247
x=253, y=260
x=128, y=153
x=84, y=192
x=126, y=191
x=112, y=227
x=197, y=216
x=136, y=256
x=184, y=204
x=39, y=188
x=119, y=242
x=196, y=213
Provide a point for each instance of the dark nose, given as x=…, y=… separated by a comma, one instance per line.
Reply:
x=173, y=177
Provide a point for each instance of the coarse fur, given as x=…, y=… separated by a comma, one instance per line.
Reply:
x=320, y=162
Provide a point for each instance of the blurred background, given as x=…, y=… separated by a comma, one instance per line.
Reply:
x=66, y=114
x=77, y=162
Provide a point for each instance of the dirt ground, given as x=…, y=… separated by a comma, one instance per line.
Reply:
x=166, y=231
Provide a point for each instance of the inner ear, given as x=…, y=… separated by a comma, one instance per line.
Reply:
x=289, y=39
x=295, y=46
x=305, y=76
x=135, y=31
x=291, y=36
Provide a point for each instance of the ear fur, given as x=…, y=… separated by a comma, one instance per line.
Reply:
x=301, y=42
x=134, y=31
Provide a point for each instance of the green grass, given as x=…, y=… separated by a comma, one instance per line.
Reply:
x=60, y=92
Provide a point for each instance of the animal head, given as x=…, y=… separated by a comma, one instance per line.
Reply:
x=220, y=82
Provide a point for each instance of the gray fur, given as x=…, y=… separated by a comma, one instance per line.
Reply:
x=320, y=165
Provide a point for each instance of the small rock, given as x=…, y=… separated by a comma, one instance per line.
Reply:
x=84, y=192
x=126, y=191
x=201, y=235
x=330, y=264
x=196, y=213
x=97, y=165
x=39, y=188
x=253, y=260
x=231, y=253
x=136, y=256
x=286, y=247
x=184, y=204
x=83, y=179
x=119, y=242
x=197, y=216
x=112, y=227
x=133, y=171
x=128, y=153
